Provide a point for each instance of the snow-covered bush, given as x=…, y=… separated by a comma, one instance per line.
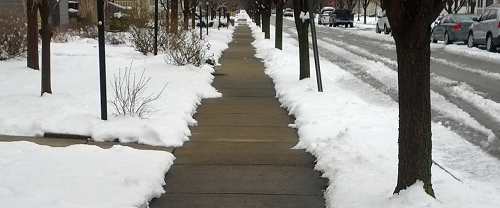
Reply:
x=117, y=38
x=184, y=48
x=142, y=39
x=13, y=40
x=129, y=94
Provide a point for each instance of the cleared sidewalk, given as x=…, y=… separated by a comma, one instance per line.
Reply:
x=240, y=153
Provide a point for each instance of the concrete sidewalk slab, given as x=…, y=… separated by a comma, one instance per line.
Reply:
x=243, y=134
x=277, y=120
x=175, y=200
x=243, y=179
x=53, y=142
x=241, y=153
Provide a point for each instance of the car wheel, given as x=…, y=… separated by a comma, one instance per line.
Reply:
x=377, y=29
x=433, y=39
x=470, y=41
x=489, y=44
x=386, y=31
x=446, y=39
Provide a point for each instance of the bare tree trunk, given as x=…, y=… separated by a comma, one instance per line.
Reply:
x=32, y=35
x=193, y=17
x=186, y=14
x=279, y=25
x=174, y=17
x=411, y=29
x=267, y=19
x=303, y=36
x=46, y=34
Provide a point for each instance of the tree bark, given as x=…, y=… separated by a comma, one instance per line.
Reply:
x=46, y=34
x=32, y=35
x=257, y=17
x=186, y=14
x=278, y=40
x=267, y=19
x=411, y=28
x=174, y=17
x=303, y=37
x=193, y=15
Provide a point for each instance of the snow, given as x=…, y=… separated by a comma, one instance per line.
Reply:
x=83, y=175
x=351, y=128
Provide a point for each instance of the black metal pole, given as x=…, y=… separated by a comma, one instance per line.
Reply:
x=315, y=47
x=102, y=58
x=207, y=16
x=155, y=46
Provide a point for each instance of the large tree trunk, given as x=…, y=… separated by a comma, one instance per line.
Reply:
x=46, y=34
x=303, y=37
x=279, y=25
x=415, y=140
x=411, y=29
x=32, y=35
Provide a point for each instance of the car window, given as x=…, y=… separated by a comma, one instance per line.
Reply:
x=464, y=18
x=484, y=16
x=447, y=19
x=492, y=14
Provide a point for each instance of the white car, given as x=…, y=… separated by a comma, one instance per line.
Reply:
x=324, y=15
x=383, y=24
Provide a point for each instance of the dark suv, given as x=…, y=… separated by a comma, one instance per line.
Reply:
x=486, y=30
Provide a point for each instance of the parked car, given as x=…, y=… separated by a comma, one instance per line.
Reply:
x=342, y=17
x=383, y=23
x=288, y=12
x=324, y=15
x=452, y=28
x=486, y=31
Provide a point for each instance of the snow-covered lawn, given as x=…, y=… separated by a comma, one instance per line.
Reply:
x=83, y=175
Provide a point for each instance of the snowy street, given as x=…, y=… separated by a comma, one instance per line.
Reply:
x=465, y=81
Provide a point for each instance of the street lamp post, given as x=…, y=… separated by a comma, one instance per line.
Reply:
x=206, y=2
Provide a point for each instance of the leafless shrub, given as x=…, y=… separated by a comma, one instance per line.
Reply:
x=129, y=94
x=142, y=39
x=13, y=41
x=61, y=35
x=185, y=47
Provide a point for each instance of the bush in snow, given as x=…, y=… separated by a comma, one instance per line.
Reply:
x=142, y=39
x=61, y=35
x=185, y=47
x=129, y=94
x=13, y=40
x=117, y=38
